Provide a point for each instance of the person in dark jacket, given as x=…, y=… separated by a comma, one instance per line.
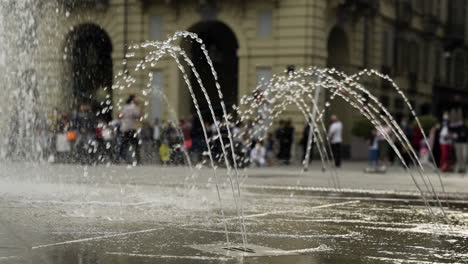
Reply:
x=460, y=135
x=304, y=142
x=85, y=123
x=285, y=138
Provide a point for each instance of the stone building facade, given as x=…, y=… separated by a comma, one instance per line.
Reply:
x=421, y=44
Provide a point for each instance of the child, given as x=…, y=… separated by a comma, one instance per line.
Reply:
x=423, y=152
x=165, y=153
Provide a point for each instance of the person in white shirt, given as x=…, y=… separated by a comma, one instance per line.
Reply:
x=335, y=136
x=258, y=155
x=129, y=125
x=156, y=131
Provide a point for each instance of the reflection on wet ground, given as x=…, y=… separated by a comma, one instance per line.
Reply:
x=111, y=223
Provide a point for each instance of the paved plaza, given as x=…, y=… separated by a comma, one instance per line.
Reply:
x=57, y=213
x=351, y=177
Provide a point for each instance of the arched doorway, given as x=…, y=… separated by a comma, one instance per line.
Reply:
x=89, y=52
x=338, y=58
x=222, y=45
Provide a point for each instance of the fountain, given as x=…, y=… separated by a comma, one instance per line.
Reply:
x=62, y=213
x=282, y=91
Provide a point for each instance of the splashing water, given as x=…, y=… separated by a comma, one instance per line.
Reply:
x=298, y=89
x=22, y=115
x=283, y=90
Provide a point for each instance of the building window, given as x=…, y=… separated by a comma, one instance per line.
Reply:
x=456, y=12
x=387, y=48
x=156, y=28
x=402, y=54
x=413, y=57
x=263, y=77
x=156, y=94
x=427, y=61
x=428, y=9
x=459, y=70
x=418, y=6
x=438, y=55
x=265, y=23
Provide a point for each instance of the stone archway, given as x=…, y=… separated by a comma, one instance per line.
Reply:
x=89, y=56
x=222, y=44
x=339, y=58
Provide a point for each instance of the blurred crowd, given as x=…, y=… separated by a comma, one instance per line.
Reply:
x=82, y=136
x=446, y=145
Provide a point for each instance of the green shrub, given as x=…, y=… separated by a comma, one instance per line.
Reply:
x=427, y=122
x=362, y=128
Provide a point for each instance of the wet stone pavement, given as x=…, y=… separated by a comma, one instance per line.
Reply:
x=44, y=220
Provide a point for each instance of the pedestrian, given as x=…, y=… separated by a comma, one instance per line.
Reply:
x=156, y=137
x=290, y=135
x=146, y=137
x=445, y=143
x=383, y=135
x=85, y=123
x=174, y=141
x=270, y=149
x=304, y=143
x=165, y=152
x=416, y=137
x=404, y=148
x=186, y=127
x=116, y=140
x=239, y=131
x=198, y=140
x=460, y=135
x=284, y=135
x=280, y=137
x=335, y=136
x=258, y=155
x=373, y=152
x=130, y=143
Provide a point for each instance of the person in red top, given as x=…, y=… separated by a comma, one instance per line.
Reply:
x=416, y=138
x=186, y=127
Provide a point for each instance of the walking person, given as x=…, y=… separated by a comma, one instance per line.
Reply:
x=373, y=152
x=129, y=117
x=445, y=142
x=284, y=135
x=198, y=141
x=186, y=127
x=461, y=145
x=258, y=155
x=156, y=138
x=85, y=123
x=270, y=149
x=384, y=147
x=280, y=135
x=289, y=134
x=304, y=143
x=146, y=137
x=404, y=149
x=335, y=136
